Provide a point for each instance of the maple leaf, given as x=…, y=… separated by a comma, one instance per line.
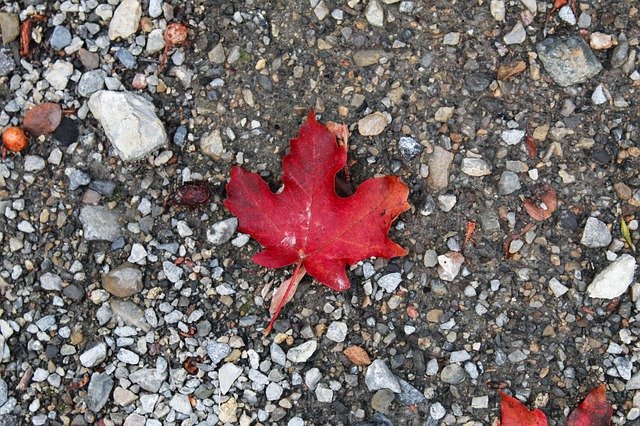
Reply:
x=307, y=223
x=514, y=413
x=594, y=410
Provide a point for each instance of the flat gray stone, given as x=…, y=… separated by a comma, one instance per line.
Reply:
x=568, y=60
x=94, y=356
x=91, y=82
x=595, y=234
x=452, y=374
x=227, y=375
x=98, y=391
x=217, y=352
x=222, y=231
x=379, y=376
x=100, y=224
x=303, y=352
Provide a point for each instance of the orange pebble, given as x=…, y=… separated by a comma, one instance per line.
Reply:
x=15, y=139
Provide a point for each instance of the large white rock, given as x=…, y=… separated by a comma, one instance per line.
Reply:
x=129, y=121
x=613, y=280
x=126, y=19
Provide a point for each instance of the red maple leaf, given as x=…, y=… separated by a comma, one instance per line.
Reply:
x=306, y=223
x=514, y=413
x=594, y=410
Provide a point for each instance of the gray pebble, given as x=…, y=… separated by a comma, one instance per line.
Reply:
x=60, y=38
x=379, y=376
x=98, y=391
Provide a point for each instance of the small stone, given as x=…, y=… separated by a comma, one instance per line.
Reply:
x=446, y=202
x=374, y=13
x=337, y=331
x=475, y=167
x=150, y=379
x=324, y=394
x=216, y=55
x=498, y=10
x=60, y=38
x=217, y=352
x=98, y=391
x=58, y=74
x=568, y=60
x=409, y=147
x=390, y=282
x=600, y=41
x=613, y=280
x=126, y=58
x=512, y=137
x=430, y=258
x=155, y=8
x=509, y=183
x=378, y=376
x=599, y=97
x=7, y=64
x=409, y=395
x=451, y=39
x=123, y=281
x=621, y=53
x=303, y=352
x=372, y=124
x=221, y=232
x=480, y=402
x=624, y=367
x=77, y=178
x=439, y=168
x=274, y=391
x=138, y=254
x=382, y=400
x=557, y=288
x=91, y=82
x=450, y=265
x=100, y=223
x=437, y=411
x=94, y=356
x=90, y=60
x=453, y=374
x=566, y=14
x=443, y=114
x=10, y=29
x=50, y=282
x=125, y=20
x=517, y=35
x=129, y=313
x=128, y=357
x=596, y=234
x=211, y=144
x=227, y=375
x=155, y=41
x=181, y=404
x=228, y=411
x=368, y=57
x=312, y=378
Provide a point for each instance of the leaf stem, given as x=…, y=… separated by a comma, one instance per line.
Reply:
x=284, y=297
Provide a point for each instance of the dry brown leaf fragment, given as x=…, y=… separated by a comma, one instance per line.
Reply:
x=357, y=355
x=508, y=71
x=543, y=203
x=42, y=119
x=286, y=291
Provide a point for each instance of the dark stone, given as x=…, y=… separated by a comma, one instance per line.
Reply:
x=126, y=58
x=568, y=220
x=74, y=292
x=477, y=82
x=67, y=132
x=104, y=187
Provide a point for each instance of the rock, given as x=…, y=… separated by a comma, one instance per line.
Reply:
x=50, y=282
x=60, y=38
x=94, y=356
x=451, y=39
x=128, y=357
x=452, y=374
x=613, y=280
x=91, y=82
x=409, y=147
x=155, y=41
x=58, y=74
x=7, y=64
x=516, y=36
x=568, y=60
x=372, y=124
x=509, y=183
x=90, y=60
x=600, y=41
x=439, y=168
x=129, y=313
x=430, y=258
x=126, y=58
x=217, y=352
x=155, y=8
x=446, y=202
x=531, y=5
x=123, y=281
x=227, y=376
x=228, y=411
x=599, y=96
x=443, y=114
x=382, y=400
x=478, y=81
x=98, y=391
x=450, y=265
x=4, y=393
x=475, y=167
x=620, y=52
x=437, y=411
x=100, y=224
x=150, y=379
x=125, y=20
x=566, y=14
x=273, y=391
x=595, y=234
x=172, y=271
x=378, y=376
x=216, y=55
x=497, y=9
x=222, y=231
x=211, y=144
x=129, y=121
x=634, y=382
x=409, y=395
x=368, y=57
x=390, y=282
x=374, y=13
x=312, y=378
x=303, y=352
x=512, y=137
x=337, y=331
x=181, y=404
x=10, y=29
x=324, y=394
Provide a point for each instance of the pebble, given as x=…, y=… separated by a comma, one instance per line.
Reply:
x=598, y=97
x=451, y=39
x=155, y=8
x=60, y=38
x=227, y=375
x=498, y=10
x=613, y=280
x=150, y=379
x=443, y=114
x=181, y=404
x=303, y=352
x=437, y=411
x=390, y=282
x=374, y=13
x=217, y=352
x=91, y=82
x=7, y=64
x=446, y=202
x=125, y=20
x=130, y=123
x=509, y=183
x=382, y=400
x=568, y=60
x=126, y=58
x=452, y=374
x=50, y=282
x=512, y=137
x=475, y=167
x=221, y=232
x=155, y=41
x=439, y=168
x=312, y=378
x=430, y=258
x=77, y=178
x=595, y=234
x=373, y=124
x=58, y=74
x=379, y=376
x=516, y=36
x=566, y=14
x=409, y=147
x=337, y=331
x=324, y=394
x=600, y=41
x=621, y=53
x=557, y=288
x=409, y=395
x=274, y=391
x=128, y=357
x=129, y=313
x=123, y=281
x=100, y=223
x=450, y=265
x=211, y=144
x=98, y=391
x=217, y=55
x=10, y=29
x=94, y=356
x=4, y=394
x=368, y=57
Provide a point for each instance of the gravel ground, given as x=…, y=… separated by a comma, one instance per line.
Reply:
x=118, y=309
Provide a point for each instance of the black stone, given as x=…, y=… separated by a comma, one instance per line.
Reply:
x=67, y=132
